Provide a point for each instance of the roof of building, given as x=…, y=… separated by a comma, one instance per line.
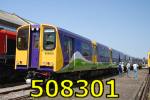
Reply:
x=13, y=18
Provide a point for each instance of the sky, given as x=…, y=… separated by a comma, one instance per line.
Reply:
x=120, y=24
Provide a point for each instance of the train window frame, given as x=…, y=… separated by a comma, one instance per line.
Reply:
x=27, y=37
x=54, y=33
x=104, y=52
x=68, y=40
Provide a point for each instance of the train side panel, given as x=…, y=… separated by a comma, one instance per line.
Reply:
x=3, y=43
x=115, y=56
x=7, y=47
x=76, y=51
x=103, y=53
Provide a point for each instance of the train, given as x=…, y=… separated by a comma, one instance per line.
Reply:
x=44, y=50
x=7, y=46
x=7, y=57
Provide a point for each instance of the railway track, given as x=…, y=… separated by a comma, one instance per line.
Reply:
x=144, y=89
x=16, y=92
x=11, y=84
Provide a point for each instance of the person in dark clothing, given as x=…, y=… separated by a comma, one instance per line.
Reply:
x=120, y=69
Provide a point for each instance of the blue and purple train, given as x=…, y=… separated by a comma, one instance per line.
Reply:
x=47, y=49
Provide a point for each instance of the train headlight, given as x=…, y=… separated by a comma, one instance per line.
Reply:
x=37, y=29
x=32, y=28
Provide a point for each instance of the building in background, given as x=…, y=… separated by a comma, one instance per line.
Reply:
x=11, y=21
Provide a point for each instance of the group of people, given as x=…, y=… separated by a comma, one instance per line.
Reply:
x=128, y=67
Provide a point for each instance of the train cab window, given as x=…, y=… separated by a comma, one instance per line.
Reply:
x=49, y=38
x=22, y=38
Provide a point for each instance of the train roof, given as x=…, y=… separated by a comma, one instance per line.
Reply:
x=73, y=34
x=10, y=34
x=102, y=45
x=79, y=36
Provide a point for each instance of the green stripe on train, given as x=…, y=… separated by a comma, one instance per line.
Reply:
x=80, y=65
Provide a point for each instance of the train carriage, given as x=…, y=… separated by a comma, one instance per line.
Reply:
x=7, y=57
x=7, y=46
x=115, y=56
x=46, y=49
x=43, y=49
x=103, y=53
x=72, y=43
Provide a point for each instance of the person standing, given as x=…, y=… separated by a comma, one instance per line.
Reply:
x=128, y=69
x=120, y=69
x=122, y=66
x=135, y=69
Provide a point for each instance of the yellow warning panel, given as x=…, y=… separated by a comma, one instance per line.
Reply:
x=148, y=59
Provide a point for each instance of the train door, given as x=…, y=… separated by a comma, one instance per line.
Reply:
x=34, y=48
x=68, y=49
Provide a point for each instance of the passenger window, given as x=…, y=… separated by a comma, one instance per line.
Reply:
x=68, y=46
x=103, y=51
x=85, y=49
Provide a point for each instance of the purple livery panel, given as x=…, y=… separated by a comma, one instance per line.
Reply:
x=34, y=47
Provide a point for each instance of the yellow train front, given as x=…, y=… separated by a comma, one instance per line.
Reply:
x=38, y=46
x=46, y=49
